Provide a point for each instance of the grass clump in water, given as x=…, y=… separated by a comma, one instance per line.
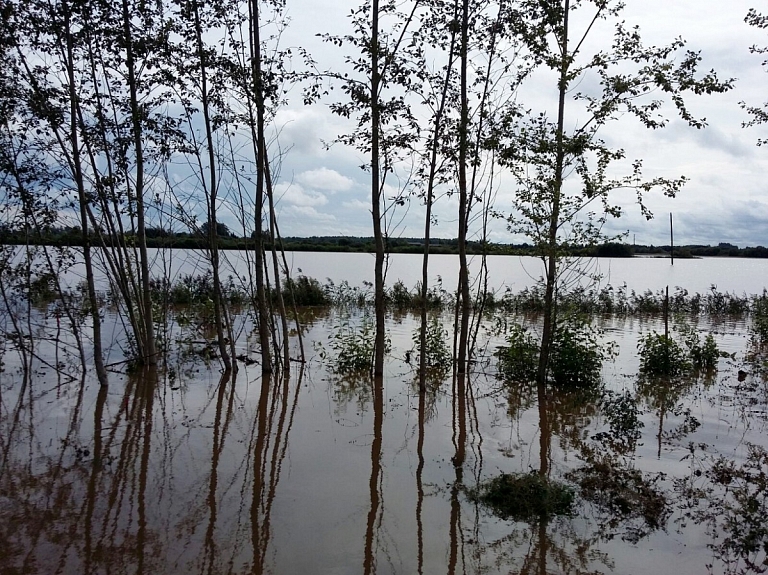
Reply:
x=524, y=496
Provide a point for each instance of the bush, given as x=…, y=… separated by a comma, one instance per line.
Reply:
x=304, y=291
x=437, y=353
x=576, y=356
x=354, y=348
x=524, y=496
x=399, y=296
x=661, y=355
x=702, y=356
x=575, y=361
x=518, y=360
x=759, y=326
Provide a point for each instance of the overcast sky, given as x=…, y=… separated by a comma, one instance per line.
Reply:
x=324, y=192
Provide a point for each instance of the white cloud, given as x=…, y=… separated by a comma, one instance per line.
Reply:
x=308, y=212
x=296, y=195
x=357, y=205
x=325, y=179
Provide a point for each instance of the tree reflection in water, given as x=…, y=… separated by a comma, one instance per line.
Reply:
x=213, y=474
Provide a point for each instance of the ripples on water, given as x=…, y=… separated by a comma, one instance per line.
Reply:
x=192, y=472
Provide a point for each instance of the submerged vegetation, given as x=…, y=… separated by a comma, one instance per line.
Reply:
x=524, y=497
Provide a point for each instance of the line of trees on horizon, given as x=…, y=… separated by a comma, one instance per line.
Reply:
x=229, y=240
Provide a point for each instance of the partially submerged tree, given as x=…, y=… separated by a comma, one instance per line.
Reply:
x=565, y=177
x=385, y=126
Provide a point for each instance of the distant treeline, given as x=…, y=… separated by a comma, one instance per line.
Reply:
x=158, y=238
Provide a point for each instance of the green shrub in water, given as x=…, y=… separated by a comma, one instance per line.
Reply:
x=518, y=360
x=304, y=291
x=437, y=352
x=759, y=326
x=702, y=355
x=577, y=356
x=524, y=496
x=399, y=296
x=353, y=347
x=662, y=355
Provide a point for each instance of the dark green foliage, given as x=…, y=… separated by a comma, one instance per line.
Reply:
x=437, y=353
x=624, y=425
x=703, y=355
x=662, y=355
x=618, y=300
x=731, y=500
x=304, y=291
x=353, y=348
x=759, y=326
x=399, y=296
x=614, y=250
x=42, y=289
x=518, y=360
x=524, y=497
x=190, y=290
x=576, y=356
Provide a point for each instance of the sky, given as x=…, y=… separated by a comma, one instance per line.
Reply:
x=323, y=191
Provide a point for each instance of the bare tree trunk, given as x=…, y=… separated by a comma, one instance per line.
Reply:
x=275, y=265
x=98, y=354
x=378, y=360
x=261, y=297
x=146, y=297
x=463, y=197
x=428, y=217
x=213, y=241
x=551, y=256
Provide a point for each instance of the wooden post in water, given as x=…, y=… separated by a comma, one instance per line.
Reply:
x=671, y=242
x=666, y=315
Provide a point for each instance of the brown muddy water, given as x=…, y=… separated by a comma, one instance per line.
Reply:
x=189, y=471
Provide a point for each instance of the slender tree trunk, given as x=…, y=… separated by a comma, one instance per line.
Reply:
x=261, y=296
x=428, y=217
x=275, y=264
x=213, y=240
x=369, y=562
x=146, y=297
x=378, y=359
x=551, y=256
x=463, y=197
x=98, y=354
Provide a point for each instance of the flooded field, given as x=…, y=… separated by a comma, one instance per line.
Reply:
x=188, y=470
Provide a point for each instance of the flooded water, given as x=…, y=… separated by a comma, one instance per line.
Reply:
x=191, y=471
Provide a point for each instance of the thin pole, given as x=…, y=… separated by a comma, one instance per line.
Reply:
x=671, y=241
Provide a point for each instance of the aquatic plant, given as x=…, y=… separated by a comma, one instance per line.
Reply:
x=352, y=348
x=731, y=500
x=399, y=296
x=437, y=352
x=629, y=498
x=702, y=355
x=576, y=355
x=662, y=355
x=759, y=327
x=303, y=291
x=518, y=360
x=524, y=496
x=622, y=414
